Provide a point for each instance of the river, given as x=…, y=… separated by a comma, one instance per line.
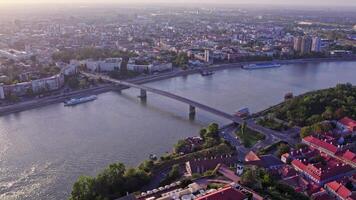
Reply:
x=44, y=150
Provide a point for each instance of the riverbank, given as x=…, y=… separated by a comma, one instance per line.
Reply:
x=35, y=103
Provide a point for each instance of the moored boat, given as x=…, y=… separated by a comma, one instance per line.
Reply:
x=75, y=101
x=261, y=66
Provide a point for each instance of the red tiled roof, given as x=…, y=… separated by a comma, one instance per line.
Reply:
x=298, y=164
x=348, y=155
x=344, y=192
x=340, y=190
x=321, y=144
x=227, y=193
x=251, y=156
x=334, y=185
x=348, y=122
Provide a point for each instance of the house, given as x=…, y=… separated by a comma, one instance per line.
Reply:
x=347, y=124
x=339, y=191
x=227, y=193
x=321, y=173
x=349, y=157
x=321, y=145
x=266, y=161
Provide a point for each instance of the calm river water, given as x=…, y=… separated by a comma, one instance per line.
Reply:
x=44, y=150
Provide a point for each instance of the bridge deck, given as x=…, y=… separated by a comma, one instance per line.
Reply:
x=172, y=96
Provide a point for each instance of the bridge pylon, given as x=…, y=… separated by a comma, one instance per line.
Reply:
x=143, y=94
x=192, y=111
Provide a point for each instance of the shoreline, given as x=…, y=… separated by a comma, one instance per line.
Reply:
x=36, y=103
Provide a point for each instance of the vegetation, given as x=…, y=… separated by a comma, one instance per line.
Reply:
x=89, y=53
x=249, y=137
x=172, y=176
x=317, y=128
x=272, y=124
x=111, y=183
x=282, y=149
x=115, y=181
x=210, y=136
x=264, y=183
x=271, y=148
x=181, y=60
x=315, y=107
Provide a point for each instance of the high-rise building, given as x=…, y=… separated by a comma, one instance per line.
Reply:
x=2, y=93
x=297, y=44
x=316, y=44
x=207, y=55
x=306, y=45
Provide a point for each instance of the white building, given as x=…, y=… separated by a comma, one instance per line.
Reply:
x=110, y=64
x=160, y=67
x=107, y=65
x=138, y=68
x=316, y=44
x=48, y=84
x=2, y=93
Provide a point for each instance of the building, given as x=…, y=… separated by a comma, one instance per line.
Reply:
x=306, y=45
x=339, y=191
x=159, y=67
x=297, y=44
x=316, y=44
x=207, y=55
x=48, y=84
x=2, y=93
x=202, y=165
x=321, y=145
x=322, y=173
x=347, y=124
x=266, y=161
x=107, y=65
x=18, y=89
x=110, y=64
x=227, y=193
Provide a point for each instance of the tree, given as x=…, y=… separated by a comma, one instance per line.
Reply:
x=181, y=60
x=202, y=133
x=305, y=131
x=243, y=128
x=173, y=175
x=282, y=149
x=213, y=130
x=180, y=146
x=73, y=82
x=83, y=189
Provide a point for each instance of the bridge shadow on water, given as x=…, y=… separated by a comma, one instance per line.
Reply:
x=175, y=115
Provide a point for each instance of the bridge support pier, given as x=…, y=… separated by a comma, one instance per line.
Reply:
x=192, y=111
x=143, y=94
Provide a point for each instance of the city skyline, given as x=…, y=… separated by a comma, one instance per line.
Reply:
x=341, y=3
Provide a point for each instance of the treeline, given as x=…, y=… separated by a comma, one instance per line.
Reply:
x=113, y=182
x=268, y=185
x=89, y=53
x=314, y=107
x=210, y=136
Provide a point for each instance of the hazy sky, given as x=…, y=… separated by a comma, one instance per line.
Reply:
x=281, y=2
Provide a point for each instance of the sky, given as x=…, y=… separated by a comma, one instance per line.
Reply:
x=343, y=3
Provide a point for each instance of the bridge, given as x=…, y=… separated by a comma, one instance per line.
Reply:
x=271, y=135
x=192, y=104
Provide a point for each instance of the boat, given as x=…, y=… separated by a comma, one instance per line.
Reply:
x=206, y=73
x=244, y=112
x=75, y=101
x=261, y=66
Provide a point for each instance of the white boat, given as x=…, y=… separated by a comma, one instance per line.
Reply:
x=76, y=101
x=261, y=66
